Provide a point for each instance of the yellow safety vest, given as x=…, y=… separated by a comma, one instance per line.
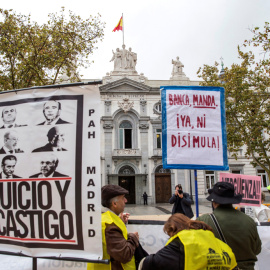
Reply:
x=109, y=218
x=205, y=252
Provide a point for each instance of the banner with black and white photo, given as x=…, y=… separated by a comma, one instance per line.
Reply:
x=50, y=172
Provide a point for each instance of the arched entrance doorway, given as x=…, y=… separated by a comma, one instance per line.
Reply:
x=162, y=184
x=126, y=179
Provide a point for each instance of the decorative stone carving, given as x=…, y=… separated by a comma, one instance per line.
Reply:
x=160, y=169
x=144, y=126
x=107, y=126
x=134, y=153
x=164, y=171
x=125, y=105
x=143, y=102
x=142, y=78
x=107, y=78
x=126, y=152
x=108, y=103
x=107, y=106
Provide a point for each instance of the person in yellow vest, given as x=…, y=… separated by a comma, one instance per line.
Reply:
x=118, y=245
x=192, y=246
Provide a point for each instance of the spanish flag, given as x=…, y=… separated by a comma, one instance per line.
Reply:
x=119, y=26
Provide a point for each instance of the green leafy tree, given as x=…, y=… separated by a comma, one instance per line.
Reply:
x=33, y=54
x=247, y=91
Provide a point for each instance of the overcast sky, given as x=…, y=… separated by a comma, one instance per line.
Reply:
x=198, y=31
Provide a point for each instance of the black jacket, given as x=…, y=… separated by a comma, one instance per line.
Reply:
x=59, y=121
x=47, y=148
x=2, y=151
x=55, y=174
x=171, y=256
x=185, y=203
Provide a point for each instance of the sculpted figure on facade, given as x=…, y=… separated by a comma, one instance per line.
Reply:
x=124, y=60
x=117, y=58
x=132, y=59
x=177, y=72
x=177, y=67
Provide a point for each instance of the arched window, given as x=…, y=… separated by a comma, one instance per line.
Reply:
x=160, y=169
x=157, y=108
x=125, y=135
x=126, y=170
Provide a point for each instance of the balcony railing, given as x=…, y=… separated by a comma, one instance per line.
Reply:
x=132, y=153
x=157, y=152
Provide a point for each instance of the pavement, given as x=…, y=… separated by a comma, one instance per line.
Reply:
x=160, y=211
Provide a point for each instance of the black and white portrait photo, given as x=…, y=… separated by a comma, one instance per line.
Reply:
x=48, y=165
x=52, y=110
x=56, y=138
x=9, y=115
x=10, y=143
x=8, y=166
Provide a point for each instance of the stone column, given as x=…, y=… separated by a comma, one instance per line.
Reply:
x=144, y=126
x=108, y=127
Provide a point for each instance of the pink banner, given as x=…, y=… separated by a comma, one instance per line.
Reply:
x=249, y=186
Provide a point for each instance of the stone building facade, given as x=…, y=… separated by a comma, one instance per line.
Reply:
x=131, y=145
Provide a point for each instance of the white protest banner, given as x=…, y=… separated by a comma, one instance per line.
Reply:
x=194, y=128
x=249, y=186
x=50, y=178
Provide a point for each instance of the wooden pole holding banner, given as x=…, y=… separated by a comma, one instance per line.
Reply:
x=34, y=264
x=196, y=193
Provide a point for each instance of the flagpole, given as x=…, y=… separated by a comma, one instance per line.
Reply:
x=123, y=27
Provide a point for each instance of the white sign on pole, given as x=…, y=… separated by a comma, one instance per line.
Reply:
x=194, y=128
x=50, y=177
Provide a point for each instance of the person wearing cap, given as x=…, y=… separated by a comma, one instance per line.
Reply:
x=118, y=245
x=239, y=230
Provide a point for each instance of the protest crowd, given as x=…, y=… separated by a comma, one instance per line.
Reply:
x=225, y=239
